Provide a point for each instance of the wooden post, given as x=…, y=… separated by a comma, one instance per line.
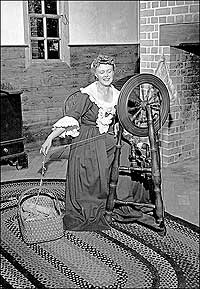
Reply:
x=114, y=176
x=155, y=168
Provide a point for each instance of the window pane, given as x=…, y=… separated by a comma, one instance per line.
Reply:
x=36, y=27
x=34, y=6
x=52, y=27
x=37, y=49
x=50, y=6
x=53, y=49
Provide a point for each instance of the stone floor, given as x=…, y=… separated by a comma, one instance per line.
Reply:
x=180, y=182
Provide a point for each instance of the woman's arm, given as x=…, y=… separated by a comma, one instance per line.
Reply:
x=56, y=132
x=68, y=125
x=47, y=144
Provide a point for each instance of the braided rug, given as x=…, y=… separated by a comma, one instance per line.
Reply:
x=127, y=256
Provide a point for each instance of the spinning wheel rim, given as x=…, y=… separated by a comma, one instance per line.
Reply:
x=128, y=88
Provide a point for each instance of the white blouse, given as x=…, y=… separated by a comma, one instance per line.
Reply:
x=106, y=112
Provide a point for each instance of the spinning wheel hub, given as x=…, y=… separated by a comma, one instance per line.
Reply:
x=144, y=104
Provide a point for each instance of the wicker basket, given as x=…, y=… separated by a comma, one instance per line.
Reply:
x=39, y=215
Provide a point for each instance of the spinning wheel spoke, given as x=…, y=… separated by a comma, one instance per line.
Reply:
x=148, y=92
x=136, y=114
x=154, y=96
x=135, y=108
x=155, y=107
x=142, y=90
x=138, y=102
x=140, y=120
x=154, y=103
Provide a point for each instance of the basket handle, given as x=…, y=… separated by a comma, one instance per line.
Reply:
x=51, y=194
x=40, y=189
x=40, y=185
x=41, y=180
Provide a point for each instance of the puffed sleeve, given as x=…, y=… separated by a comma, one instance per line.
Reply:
x=71, y=121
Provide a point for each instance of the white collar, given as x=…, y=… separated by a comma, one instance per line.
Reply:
x=91, y=90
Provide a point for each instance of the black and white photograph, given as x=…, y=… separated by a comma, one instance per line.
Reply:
x=99, y=144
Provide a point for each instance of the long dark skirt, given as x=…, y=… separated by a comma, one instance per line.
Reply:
x=87, y=187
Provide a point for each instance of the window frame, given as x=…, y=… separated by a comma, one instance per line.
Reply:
x=62, y=15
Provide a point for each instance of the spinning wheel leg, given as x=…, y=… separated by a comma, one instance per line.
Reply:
x=114, y=176
x=156, y=175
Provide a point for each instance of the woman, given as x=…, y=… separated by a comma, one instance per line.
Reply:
x=92, y=125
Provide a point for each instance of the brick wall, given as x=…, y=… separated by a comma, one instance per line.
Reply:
x=45, y=85
x=180, y=134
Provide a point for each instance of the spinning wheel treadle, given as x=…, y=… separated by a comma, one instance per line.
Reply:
x=138, y=92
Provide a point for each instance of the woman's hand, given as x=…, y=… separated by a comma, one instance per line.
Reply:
x=46, y=146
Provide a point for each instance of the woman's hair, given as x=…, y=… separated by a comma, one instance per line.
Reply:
x=102, y=59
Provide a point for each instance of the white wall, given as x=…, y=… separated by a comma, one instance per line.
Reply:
x=90, y=22
x=12, y=24
x=103, y=22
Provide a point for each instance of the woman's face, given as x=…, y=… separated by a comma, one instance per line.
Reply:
x=105, y=74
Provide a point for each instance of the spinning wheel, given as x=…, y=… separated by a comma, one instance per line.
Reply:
x=137, y=93
x=143, y=108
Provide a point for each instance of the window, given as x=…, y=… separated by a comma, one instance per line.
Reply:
x=48, y=29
